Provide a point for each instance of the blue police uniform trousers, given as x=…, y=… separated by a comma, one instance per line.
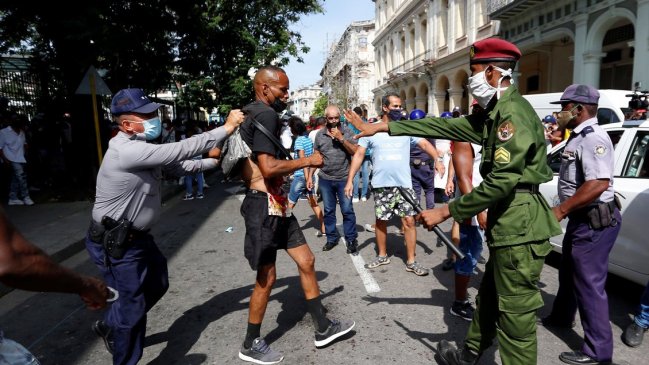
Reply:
x=582, y=279
x=141, y=279
x=424, y=177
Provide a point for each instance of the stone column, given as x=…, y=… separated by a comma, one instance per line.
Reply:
x=581, y=29
x=640, y=68
x=591, y=68
x=455, y=96
x=439, y=105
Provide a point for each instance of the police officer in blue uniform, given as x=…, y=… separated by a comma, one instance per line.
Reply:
x=127, y=204
x=588, y=201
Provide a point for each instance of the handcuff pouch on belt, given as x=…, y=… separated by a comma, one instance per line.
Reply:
x=601, y=215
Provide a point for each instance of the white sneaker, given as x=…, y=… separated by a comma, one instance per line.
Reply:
x=28, y=201
x=368, y=227
x=355, y=200
x=16, y=202
x=364, y=199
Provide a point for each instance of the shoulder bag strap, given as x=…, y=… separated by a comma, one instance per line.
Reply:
x=270, y=136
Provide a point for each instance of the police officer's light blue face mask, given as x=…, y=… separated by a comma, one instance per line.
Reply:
x=152, y=128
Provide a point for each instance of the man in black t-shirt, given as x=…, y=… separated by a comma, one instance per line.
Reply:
x=269, y=223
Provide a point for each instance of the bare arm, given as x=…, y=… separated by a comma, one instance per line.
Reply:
x=272, y=167
x=357, y=161
x=585, y=195
x=25, y=266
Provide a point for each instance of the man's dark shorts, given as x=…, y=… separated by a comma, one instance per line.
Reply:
x=266, y=234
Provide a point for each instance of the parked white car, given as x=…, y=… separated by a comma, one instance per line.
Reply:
x=630, y=255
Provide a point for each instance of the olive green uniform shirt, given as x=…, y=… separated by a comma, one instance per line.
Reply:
x=513, y=153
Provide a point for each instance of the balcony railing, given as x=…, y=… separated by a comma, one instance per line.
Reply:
x=505, y=9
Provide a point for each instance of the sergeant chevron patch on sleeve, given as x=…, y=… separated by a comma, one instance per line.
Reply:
x=501, y=155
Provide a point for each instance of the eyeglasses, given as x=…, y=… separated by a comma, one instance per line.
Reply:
x=333, y=118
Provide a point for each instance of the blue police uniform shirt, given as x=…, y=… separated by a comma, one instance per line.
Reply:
x=588, y=155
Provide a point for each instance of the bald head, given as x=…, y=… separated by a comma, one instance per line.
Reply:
x=271, y=83
x=332, y=111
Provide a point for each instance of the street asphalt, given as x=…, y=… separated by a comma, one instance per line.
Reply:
x=399, y=316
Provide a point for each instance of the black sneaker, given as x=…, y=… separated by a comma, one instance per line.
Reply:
x=352, y=248
x=335, y=330
x=260, y=353
x=103, y=331
x=450, y=355
x=448, y=265
x=463, y=310
x=329, y=245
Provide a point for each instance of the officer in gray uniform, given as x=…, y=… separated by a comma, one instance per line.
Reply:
x=587, y=199
x=127, y=204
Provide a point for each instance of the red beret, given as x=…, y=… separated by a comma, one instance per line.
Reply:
x=493, y=50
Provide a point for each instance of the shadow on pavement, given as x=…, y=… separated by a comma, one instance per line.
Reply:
x=187, y=329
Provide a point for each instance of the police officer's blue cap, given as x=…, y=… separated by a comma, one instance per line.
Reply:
x=446, y=115
x=580, y=94
x=132, y=101
x=417, y=114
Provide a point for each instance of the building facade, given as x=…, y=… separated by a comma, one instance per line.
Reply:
x=348, y=75
x=303, y=100
x=421, y=50
x=603, y=43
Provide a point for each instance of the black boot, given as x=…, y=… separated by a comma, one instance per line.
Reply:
x=633, y=335
x=451, y=355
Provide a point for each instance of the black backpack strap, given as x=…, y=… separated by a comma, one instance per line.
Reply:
x=270, y=136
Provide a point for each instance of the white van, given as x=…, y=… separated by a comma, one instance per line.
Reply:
x=613, y=105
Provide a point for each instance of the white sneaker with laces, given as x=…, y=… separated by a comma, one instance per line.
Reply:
x=28, y=201
x=355, y=200
x=16, y=202
x=364, y=199
x=368, y=227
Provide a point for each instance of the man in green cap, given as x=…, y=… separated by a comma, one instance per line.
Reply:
x=519, y=221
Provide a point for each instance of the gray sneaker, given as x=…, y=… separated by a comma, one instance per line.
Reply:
x=335, y=330
x=260, y=353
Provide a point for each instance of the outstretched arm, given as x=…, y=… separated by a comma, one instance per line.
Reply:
x=25, y=266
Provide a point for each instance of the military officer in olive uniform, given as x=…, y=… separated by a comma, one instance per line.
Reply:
x=587, y=199
x=519, y=222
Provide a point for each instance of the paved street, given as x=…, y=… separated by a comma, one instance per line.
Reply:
x=202, y=319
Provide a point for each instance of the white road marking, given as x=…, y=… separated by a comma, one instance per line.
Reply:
x=371, y=286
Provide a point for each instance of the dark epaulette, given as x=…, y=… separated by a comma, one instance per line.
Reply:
x=587, y=130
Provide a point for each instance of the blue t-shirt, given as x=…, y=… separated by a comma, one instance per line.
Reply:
x=390, y=159
x=302, y=143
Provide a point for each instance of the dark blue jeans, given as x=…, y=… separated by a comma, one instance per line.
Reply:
x=330, y=189
x=141, y=279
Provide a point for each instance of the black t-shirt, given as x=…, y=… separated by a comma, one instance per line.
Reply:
x=258, y=141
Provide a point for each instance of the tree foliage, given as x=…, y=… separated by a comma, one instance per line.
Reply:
x=209, y=46
x=320, y=105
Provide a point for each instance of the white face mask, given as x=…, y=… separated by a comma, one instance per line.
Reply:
x=482, y=91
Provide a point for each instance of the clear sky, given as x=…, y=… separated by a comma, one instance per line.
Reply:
x=318, y=30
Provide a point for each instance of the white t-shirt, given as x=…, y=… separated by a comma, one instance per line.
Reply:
x=12, y=145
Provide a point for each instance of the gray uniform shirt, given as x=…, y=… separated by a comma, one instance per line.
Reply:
x=588, y=156
x=336, y=158
x=128, y=182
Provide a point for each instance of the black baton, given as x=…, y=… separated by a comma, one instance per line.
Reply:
x=406, y=195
